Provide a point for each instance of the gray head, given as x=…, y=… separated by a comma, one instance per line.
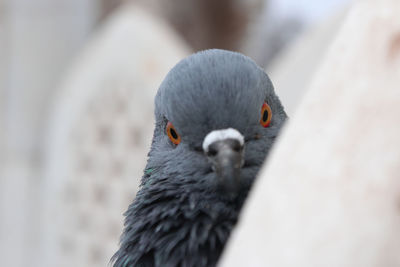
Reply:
x=214, y=101
x=209, y=142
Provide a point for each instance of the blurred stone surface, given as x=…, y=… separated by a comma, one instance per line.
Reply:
x=291, y=70
x=41, y=33
x=37, y=40
x=100, y=134
x=329, y=195
x=268, y=35
x=3, y=68
x=206, y=24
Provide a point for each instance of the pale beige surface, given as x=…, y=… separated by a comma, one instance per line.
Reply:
x=330, y=193
x=99, y=137
x=292, y=70
x=37, y=41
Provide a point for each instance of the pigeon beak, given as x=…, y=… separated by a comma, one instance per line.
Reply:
x=224, y=149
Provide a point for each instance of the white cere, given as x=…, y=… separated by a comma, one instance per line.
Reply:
x=218, y=135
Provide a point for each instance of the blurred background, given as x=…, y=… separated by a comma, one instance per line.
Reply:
x=77, y=81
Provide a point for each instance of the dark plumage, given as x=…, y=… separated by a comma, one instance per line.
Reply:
x=185, y=208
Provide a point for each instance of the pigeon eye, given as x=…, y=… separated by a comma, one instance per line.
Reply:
x=266, y=115
x=172, y=134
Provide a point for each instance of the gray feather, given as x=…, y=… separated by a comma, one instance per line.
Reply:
x=179, y=217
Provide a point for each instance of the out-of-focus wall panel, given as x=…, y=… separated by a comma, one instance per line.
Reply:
x=41, y=37
x=37, y=41
x=292, y=70
x=329, y=194
x=100, y=134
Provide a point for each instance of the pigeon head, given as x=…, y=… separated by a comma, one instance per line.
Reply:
x=213, y=100
x=217, y=117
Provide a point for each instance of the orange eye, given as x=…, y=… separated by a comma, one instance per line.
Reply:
x=266, y=115
x=172, y=134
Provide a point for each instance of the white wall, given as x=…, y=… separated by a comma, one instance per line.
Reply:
x=38, y=40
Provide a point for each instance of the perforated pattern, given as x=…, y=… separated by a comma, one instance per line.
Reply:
x=107, y=152
x=102, y=130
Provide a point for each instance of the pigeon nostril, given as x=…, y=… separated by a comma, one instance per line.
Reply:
x=212, y=151
x=236, y=147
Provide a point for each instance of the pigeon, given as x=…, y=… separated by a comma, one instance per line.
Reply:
x=216, y=118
